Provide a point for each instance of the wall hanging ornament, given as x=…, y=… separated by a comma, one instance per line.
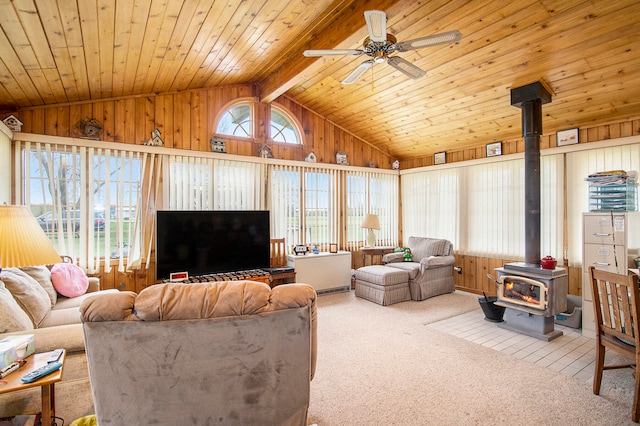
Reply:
x=88, y=128
x=341, y=158
x=155, y=140
x=264, y=151
x=13, y=123
x=218, y=144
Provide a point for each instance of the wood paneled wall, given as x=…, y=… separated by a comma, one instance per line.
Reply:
x=597, y=133
x=187, y=120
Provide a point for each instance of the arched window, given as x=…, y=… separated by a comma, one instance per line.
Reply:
x=283, y=128
x=237, y=121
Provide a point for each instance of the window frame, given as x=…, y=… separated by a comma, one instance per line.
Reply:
x=295, y=124
x=228, y=107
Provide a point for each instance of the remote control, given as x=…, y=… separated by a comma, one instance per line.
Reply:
x=55, y=355
x=41, y=372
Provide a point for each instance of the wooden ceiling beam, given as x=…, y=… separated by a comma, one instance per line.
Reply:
x=340, y=27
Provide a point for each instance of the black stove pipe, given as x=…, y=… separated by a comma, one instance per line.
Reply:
x=530, y=98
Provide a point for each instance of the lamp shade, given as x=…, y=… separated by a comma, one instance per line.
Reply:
x=22, y=240
x=371, y=221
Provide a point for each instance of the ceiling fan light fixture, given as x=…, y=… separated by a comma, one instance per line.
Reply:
x=378, y=45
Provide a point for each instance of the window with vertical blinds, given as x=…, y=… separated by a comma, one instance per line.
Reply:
x=371, y=193
x=581, y=164
x=86, y=200
x=195, y=183
x=480, y=207
x=308, y=205
x=431, y=205
x=305, y=205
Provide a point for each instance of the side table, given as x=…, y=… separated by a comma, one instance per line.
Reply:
x=46, y=383
x=374, y=251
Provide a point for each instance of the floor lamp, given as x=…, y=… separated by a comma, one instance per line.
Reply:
x=22, y=240
x=371, y=222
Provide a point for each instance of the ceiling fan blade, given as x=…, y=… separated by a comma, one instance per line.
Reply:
x=357, y=73
x=432, y=40
x=406, y=67
x=332, y=52
x=376, y=25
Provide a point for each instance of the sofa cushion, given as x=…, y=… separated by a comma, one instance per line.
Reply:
x=42, y=275
x=69, y=279
x=12, y=317
x=75, y=302
x=412, y=268
x=116, y=306
x=31, y=297
x=422, y=247
x=171, y=301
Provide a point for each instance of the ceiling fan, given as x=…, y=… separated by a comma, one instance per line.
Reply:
x=379, y=45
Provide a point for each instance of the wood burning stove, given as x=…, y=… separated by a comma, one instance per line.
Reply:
x=533, y=297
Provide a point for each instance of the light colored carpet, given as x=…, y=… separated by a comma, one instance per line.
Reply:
x=383, y=365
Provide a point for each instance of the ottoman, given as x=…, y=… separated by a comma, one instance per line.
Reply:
x=382, y=285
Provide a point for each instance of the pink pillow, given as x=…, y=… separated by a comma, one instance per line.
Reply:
x=69, y=280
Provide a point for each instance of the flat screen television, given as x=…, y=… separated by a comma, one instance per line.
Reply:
x=209, y=242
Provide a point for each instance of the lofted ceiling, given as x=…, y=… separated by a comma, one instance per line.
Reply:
x=585, y=51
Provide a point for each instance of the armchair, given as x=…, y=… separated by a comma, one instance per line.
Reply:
x=430, y=271
x=227, y=352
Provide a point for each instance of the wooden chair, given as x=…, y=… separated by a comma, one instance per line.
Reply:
x=278, y=253
x=278, y=260
x=615, y=304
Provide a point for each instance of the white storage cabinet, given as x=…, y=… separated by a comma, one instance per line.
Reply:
x=324, y=271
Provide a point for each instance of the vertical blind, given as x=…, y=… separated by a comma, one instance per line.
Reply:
x=369, y=192
x=480, y=207
x=431, y=205
x=79, y=196
x=309, y=203
x=195, y=183
x=580, y=165
x=305, y=216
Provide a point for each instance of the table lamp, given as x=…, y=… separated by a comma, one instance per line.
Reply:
x=371, y=222
x=22, y=240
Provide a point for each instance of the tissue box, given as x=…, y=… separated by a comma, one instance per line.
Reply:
x=16, y=347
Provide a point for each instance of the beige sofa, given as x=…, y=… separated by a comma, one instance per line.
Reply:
x=29, y=304
x=232, y=353
x=431, y=269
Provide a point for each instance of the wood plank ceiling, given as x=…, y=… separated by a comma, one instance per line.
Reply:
x=586, y=51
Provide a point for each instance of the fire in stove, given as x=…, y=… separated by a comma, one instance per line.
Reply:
x=523, y=291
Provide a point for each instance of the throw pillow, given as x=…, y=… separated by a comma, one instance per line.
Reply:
x=69, y=280
x=30, y=296
x=12, y=317
x=42, y=275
